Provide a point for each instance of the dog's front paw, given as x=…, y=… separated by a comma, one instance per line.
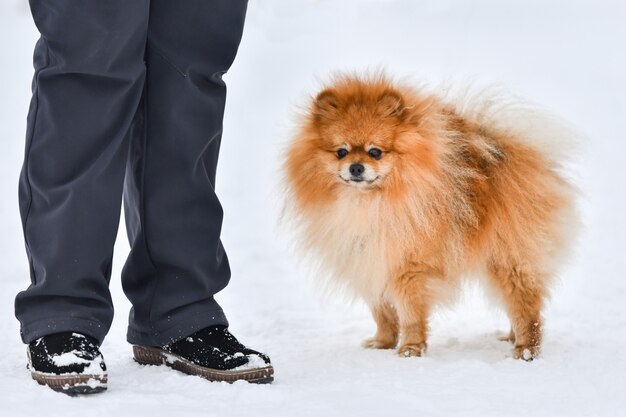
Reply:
x=412, y=349
x=527, y=353
x=376, y=343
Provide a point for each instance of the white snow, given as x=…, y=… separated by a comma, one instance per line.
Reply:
x=565, y=55
x=74, y=357
x=171, y=358
x=254, y=362
x=68, y=358
x=94, y=383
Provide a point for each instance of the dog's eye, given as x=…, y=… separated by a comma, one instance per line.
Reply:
x=341, y=153
x=375, y=153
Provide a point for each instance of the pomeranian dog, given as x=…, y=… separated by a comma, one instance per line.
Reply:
x=399, y=193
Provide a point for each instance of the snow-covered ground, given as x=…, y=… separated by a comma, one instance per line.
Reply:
x=567, y=55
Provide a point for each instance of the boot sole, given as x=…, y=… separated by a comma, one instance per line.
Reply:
x=155, y=356
x=72, y=384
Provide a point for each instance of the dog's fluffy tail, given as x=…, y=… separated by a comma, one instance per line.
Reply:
x=497, y=110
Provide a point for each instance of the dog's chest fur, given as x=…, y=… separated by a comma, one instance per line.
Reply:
x=352, y=239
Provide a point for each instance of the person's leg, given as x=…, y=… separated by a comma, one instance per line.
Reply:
x=88, y=82
x=177, y=262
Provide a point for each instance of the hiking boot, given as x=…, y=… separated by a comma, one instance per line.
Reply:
x=68, y=362
x=211, y=353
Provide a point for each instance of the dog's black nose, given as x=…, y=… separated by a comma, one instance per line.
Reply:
x=357, y=169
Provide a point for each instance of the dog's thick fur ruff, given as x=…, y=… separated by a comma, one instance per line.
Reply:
x=470, y=186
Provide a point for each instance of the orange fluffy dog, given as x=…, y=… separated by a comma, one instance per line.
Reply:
x=399, y=193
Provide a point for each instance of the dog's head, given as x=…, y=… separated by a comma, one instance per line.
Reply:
x=361, y=134
x=358, y=126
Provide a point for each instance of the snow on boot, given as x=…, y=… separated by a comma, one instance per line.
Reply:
x=211, y=353
x=68, y=362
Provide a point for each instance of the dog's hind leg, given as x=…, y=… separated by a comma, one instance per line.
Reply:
x=523, y=294
x=386, y=319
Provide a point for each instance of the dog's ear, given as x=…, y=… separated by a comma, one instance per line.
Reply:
x=391, y=104
x=326, y=103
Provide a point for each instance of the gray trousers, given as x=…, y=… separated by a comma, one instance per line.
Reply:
x=128, y=100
